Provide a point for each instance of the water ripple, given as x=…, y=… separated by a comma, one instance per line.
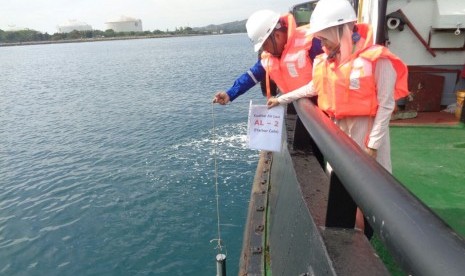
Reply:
x=56, y=227
x=107, y=169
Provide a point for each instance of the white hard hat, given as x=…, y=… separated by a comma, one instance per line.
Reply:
x=260, y=25
x=329, y=13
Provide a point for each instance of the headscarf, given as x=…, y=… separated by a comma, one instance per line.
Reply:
x=340, y=35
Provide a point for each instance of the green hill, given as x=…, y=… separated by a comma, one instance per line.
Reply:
x=231, y=27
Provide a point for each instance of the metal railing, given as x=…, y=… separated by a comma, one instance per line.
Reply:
x=420, y=241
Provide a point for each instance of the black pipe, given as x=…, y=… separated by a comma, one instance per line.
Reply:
x=420, y=241
x=381, y=37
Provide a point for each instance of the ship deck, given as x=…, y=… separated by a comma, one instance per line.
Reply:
x=428, y=118
x=428, y=159
x=428, y=156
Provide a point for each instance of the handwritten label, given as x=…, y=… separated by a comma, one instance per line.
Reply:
x=264, y=128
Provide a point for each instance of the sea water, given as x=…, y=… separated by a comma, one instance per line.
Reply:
x=107, y=156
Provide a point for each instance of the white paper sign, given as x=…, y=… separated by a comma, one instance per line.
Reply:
x=264, y=128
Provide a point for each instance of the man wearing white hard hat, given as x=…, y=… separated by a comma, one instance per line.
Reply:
x=287, y=56
x=357, y=82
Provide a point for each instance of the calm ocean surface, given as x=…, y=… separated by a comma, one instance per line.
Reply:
x=106, y=156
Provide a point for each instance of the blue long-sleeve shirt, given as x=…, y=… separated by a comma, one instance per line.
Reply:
x=257, y=73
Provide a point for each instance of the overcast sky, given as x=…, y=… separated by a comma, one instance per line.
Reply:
x=45, y=15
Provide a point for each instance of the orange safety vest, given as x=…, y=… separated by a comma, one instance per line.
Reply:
x=294, y=68
x=349, y=89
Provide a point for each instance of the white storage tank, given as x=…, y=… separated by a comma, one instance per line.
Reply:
x=124, y=24
x=72, y=25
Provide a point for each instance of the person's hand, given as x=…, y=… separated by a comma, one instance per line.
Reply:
x=221, y=98
x=372, y=152
x=272, y=102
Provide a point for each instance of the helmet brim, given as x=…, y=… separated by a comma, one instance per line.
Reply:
x=317, y=27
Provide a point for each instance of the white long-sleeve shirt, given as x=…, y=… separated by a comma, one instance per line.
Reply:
x=361, y=128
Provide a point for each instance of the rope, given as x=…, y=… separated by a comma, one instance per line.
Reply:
x=219, y=246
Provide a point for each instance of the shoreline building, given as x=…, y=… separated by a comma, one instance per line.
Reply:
x=124, y=24
x=72, y=25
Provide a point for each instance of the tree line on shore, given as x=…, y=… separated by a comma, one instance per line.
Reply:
x=35, y=36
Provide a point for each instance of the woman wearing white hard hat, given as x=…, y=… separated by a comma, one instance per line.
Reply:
x=356, y=81
x=287, y=56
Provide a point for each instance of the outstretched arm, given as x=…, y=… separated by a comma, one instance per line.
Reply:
x=242, y=84
x=304, y=91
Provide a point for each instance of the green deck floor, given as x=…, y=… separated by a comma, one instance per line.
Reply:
x=430, y=162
